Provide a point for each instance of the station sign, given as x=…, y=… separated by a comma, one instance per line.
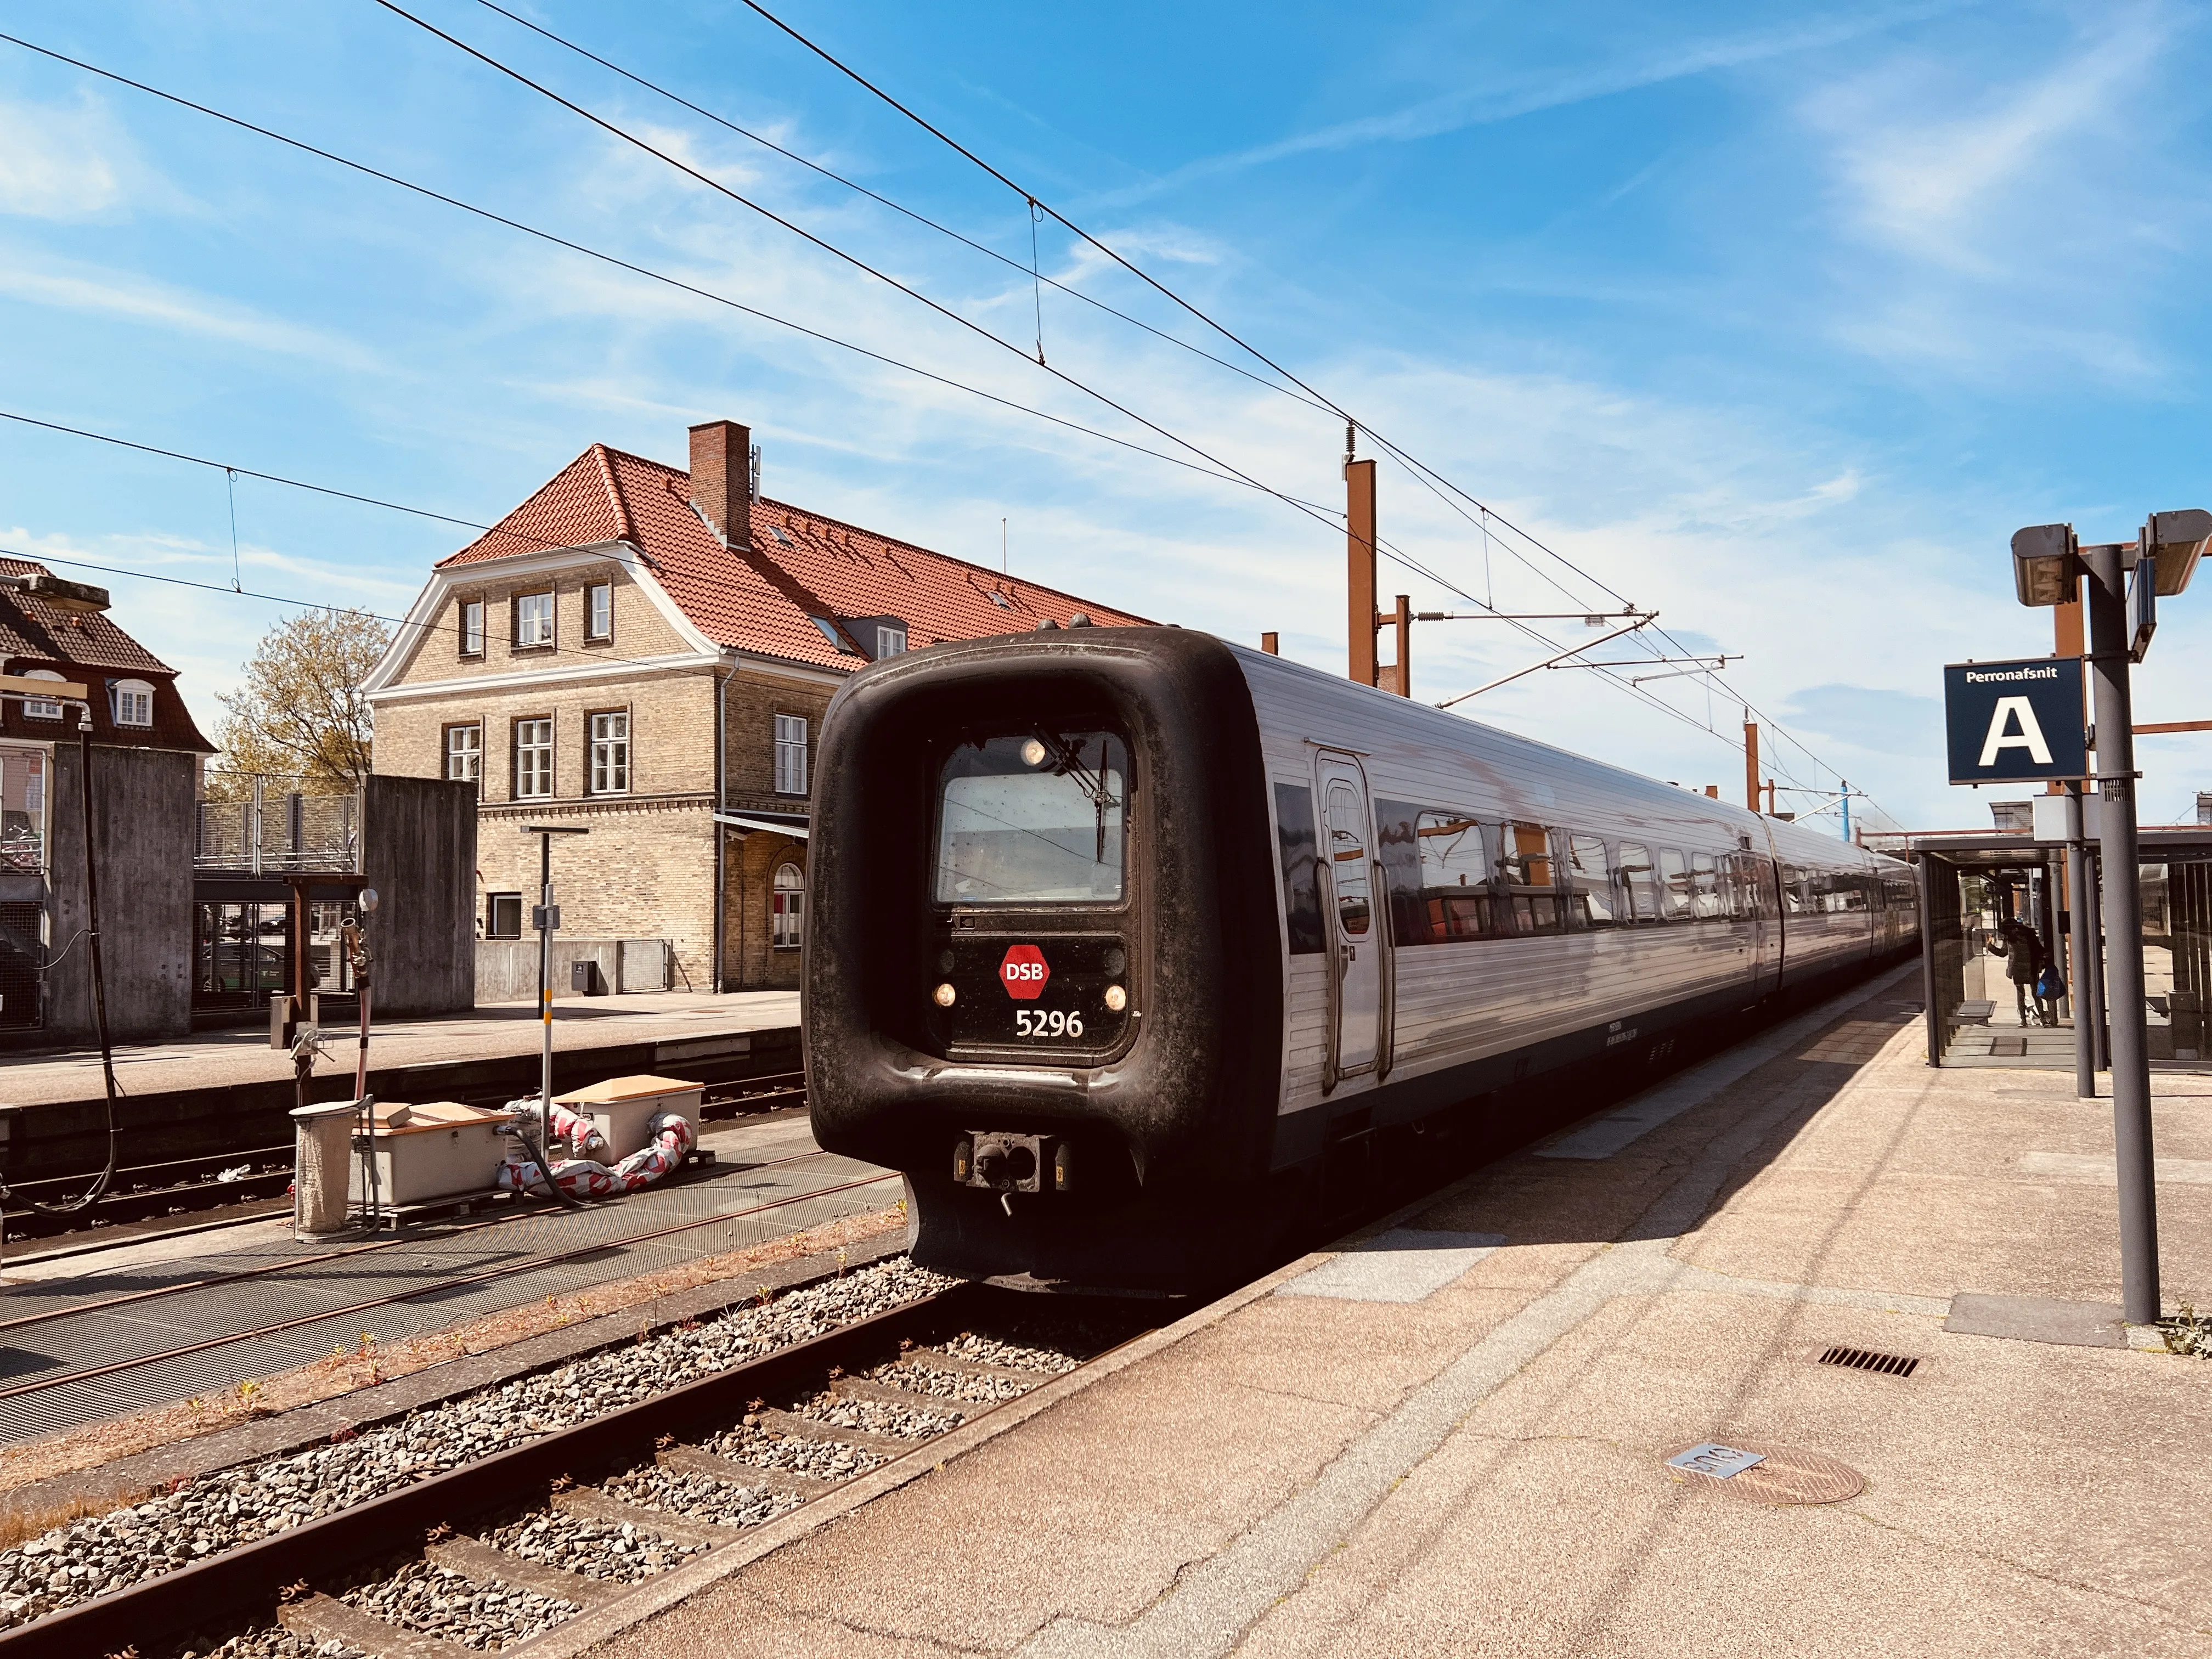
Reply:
x=2015, y=722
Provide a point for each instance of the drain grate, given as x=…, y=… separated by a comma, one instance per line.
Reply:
x=1865, y=1360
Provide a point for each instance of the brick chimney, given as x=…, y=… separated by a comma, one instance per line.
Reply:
x=721, y=479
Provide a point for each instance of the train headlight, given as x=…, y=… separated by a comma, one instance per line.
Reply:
x=1116, y=998
x=944, y=995
x=1033, y=753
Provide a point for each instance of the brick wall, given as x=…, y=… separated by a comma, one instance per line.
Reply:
x=646, y=870
x=671, y=732
x=639, y=629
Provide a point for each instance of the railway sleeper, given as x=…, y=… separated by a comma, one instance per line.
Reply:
x=696, y=1460
x=796, y=1428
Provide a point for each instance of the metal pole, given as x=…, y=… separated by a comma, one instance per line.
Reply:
x=545, y=995
x=2115, y=762
x=1847, y=812
x=2078, y=968
x=2100, y=1025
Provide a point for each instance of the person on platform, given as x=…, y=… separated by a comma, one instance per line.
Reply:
x=2025, y=957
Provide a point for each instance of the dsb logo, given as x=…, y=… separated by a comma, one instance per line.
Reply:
x=1023, y=972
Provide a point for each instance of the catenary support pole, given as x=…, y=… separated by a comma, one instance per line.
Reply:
x=1359, y=566
x=2124, y=960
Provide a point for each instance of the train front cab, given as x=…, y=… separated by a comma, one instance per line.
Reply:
x=1041, y=975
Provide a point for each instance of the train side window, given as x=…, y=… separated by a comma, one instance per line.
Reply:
x=1705, y=888
x=1674, y=886
x=1639, y=888
x=1527, y=869
x=1294, y=831
x=1347, y=859
x=1793, y=891
x=1397, y=849
x=1456, y=886
x=1593, y=881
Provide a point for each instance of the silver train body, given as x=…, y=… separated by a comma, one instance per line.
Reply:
x=1316, y=914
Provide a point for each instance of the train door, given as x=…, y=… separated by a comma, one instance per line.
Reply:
x=1355, y=928
x=1765, y=901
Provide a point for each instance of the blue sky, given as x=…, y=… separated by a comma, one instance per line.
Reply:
x=1776, y=318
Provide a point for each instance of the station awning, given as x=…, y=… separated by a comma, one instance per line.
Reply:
x=795, y=826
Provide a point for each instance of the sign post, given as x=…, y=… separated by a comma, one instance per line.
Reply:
x=2049, y=565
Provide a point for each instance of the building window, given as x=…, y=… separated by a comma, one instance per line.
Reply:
x=787, y=907
x=533, y=758
x=471, y=612
x=533, y=622
x=611, y=753
x=790, y=755
x=890, y=642
x=132, y=702
x=464, y=754
x=599, y=611
x=502, y=915
x=39, y=708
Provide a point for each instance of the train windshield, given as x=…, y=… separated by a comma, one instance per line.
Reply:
x=1033, y=817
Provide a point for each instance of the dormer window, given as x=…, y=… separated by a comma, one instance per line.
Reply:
x=890, y=641
x=39, y=708
x=132, y=702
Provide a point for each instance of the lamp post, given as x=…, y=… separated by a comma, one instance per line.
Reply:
x=2049, y=564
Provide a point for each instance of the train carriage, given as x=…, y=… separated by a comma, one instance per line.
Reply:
x=1122, y=937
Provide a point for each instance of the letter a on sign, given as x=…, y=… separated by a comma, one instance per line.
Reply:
x=2002, y=736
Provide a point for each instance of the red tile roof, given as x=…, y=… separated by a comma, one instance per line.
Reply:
x=37, y=634
x=760, y=600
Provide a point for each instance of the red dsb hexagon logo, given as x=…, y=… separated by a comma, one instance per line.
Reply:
x=1023, y=972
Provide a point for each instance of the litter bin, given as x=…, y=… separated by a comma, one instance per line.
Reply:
x=585, y=978
x=322, y=1167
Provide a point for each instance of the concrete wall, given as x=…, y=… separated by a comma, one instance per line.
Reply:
x=419, y=852
x=507, y=969
x=142, y=803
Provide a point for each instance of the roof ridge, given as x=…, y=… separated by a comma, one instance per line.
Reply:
x=625, y=527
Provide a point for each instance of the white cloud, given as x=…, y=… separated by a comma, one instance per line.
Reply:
x=133, y=299
x=60, y=162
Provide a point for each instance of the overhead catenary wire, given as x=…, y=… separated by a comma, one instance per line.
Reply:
x=1437, y=482
x=1230, y=474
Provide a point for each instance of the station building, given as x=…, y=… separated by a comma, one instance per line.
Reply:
x=646, y=653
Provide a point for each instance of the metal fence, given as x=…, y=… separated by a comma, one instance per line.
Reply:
x=280, y=826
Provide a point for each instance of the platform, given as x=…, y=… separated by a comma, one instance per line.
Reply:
x=225, y=1059
x=1450, y=1438
x=299, y=1315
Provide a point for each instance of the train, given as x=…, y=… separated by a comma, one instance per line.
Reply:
x=1124, y=943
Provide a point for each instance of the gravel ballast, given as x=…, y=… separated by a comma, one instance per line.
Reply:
x=880, y=1417
x=441, y=1602
x=825, y=1459
x=617, y=1550
x=220, y=1511
x=702, y=1498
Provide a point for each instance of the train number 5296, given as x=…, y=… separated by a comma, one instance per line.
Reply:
x=1046, y=1022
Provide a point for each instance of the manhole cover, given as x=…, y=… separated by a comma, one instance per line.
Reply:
x=1784, y=1475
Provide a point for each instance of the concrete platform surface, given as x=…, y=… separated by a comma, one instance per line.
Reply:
x=216, y=1059
x=1414, y=1462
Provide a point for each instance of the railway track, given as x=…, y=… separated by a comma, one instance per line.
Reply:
x=505, y=1546
x=241, y=1175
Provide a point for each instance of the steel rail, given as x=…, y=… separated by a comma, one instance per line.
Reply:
x=249, y=1577
x=244, y=1274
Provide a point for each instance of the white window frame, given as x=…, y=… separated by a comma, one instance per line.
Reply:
x=128, y=700
x=464, y=761
x=472, y=627
x=787, y=908
x=541, y=750
x=598, y=627
x=39, y=708
x=493, y=902
x=890, y=642
x=790, y=754
x=534, y=621
x=608, y=738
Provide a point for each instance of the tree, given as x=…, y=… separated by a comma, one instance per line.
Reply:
x=300, y=714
